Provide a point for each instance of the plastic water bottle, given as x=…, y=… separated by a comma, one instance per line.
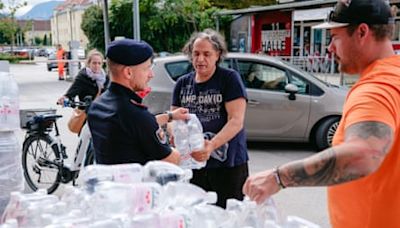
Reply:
x=196, y=139
x=129, y=199
x=164, y=172
x=186, y=195
x=11, y=178
x=9, y=103
x=209, y=216
x=26, y=208
x=123, y=173
x=176, y=219
x=188, y=137
x=181, y=136
x=297, y=222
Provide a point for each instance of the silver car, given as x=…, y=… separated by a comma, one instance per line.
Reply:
x=285, y=104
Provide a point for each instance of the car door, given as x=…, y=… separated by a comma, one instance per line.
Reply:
x=270, y=113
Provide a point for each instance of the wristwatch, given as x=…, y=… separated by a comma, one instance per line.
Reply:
x=170, y=117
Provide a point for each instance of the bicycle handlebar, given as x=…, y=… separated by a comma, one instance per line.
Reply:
x=77, y=104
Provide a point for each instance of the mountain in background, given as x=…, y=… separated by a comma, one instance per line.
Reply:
x=41, y=11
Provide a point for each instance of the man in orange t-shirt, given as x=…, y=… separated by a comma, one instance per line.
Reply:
x=362, y=169
x=60, y=56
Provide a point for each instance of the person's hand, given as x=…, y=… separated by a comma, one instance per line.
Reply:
x=205, y=153
x=260, y=186
x=60, y=100
x=180, y=114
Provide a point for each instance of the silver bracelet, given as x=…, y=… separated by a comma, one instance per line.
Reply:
x=278, y=178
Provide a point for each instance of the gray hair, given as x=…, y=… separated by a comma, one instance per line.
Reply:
x=216, y=40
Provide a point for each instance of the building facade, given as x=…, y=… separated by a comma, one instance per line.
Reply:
x=34, y=29
x=285, y=29
x=66, y=23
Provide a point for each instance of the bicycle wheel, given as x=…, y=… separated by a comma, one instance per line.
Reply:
x=39, y=158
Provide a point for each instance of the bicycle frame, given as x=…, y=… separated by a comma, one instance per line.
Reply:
x=82, y=148
x=69, y=171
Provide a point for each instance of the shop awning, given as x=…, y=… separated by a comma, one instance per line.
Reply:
x=311, y=14
x=285, y=6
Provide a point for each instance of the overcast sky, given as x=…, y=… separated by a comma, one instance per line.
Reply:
x=24, y=9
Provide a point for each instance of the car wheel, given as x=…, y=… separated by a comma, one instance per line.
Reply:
x=325, y=132
x=48, y=68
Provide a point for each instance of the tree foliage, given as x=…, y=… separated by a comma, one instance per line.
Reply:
x=92, y=25
x=237, y=4
x=164, y=24
x=8, y=25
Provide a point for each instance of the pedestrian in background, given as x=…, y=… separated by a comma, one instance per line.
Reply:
x=218, y=97
x=122, y=128
x=60, y=55
x=90, y=81
x=362, y=169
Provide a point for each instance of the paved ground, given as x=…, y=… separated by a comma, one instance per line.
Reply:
x=40, y=89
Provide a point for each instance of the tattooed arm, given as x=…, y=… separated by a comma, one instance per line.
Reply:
x=362, y=152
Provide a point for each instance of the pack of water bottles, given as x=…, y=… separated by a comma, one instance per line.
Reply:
x=156, y=195
x=11, y=178
x=188, y=137
x=9, y=103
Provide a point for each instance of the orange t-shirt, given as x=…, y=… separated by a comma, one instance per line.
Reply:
x=372, y=201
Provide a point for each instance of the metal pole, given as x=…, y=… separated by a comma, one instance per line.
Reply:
x=136, y=20
x=33, y=33
x=70, y=24
x=105, y=22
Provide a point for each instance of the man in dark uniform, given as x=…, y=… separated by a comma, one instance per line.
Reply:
x=123, y=130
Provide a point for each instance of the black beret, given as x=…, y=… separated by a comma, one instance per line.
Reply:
x=129, y=52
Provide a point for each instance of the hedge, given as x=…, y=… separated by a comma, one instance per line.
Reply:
x=12, y=58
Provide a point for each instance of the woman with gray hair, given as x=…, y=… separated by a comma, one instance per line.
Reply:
x=218, y=97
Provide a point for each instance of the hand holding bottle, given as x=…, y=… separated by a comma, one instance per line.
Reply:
x=205, y=153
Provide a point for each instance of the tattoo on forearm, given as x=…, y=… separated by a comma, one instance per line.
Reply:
x=325, y=171
x=372, y=130
x=328, y=168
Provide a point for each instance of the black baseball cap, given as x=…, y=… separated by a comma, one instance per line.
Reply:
x=354, y=12
x=129, y=52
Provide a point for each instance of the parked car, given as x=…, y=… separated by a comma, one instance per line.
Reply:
x=54, y=65
x=286, y=105
x=51, y=65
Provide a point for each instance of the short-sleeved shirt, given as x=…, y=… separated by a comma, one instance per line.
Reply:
x=123, y=130
x=372, y=201
x=207, y=100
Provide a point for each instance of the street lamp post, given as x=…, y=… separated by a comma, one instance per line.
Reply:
x=105, y=22
x=136, y=20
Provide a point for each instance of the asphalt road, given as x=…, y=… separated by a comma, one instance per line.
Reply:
x=40, y=89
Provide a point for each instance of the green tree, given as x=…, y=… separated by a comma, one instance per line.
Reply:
x=92, y=26
x=45, y=41
x=237, y=4
x=38, y=40
x=9, y=25
x=165, y=24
